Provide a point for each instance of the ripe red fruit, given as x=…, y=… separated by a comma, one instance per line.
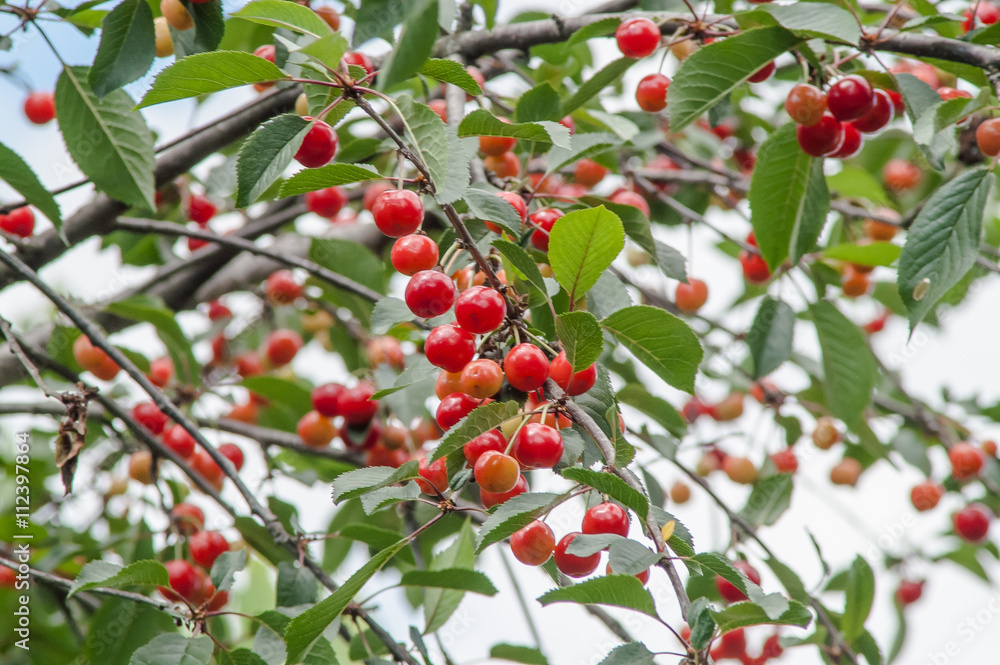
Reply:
x=850, y=98
x=20, y=222
x=379, y=455
x=755, y=268
x=281, y=288
x=538, y=446
x=200, y=209
x=851, y=143
x=372, y=192
x=519, y=205
x=763, y=73
x=434, y=475
x=360, y=60
x=447, y=383
x=398, y=212
x=149, y=416
x=571, y=564
x=183, y=579
x=732, y=644
x=324, y=398
x=879, y=115
x=329, y=15
x=481, y=378
x=187, y=518
x=533, y=545
x=785, y=461
x=206, y=546
x=542, y=221
x=177, y=439
x=966, y=461
x=491, y=440
x=94, y=359
x=413, y=253
x=988, y=137
x=480, y=309
x=319, y=145
x=651, y=93
x=822, y=138
x=972, y=523
x=282, y=345
x=356, y=404
x=491, y=499
x=326, y=202
x=637, y=37
x=40, y=107
x=561, y=371
x=728, y=590
x=506, y=165
x=526, y=367
x=453, y=408
x=449, y=347
x=588, y=172
x=900, y=175
x=909, y=592
x=629, y=198
x=233, y=453
x=218, y=311
x=430, y=293
x=691, y=296
x=496, y=146
x=315, y=430
x=805, y=104
x=161, y=370
x=986, y=12
x=606, y=518
x=772, y=648
x=496, y=472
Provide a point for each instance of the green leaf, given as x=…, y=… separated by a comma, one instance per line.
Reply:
x=174, y=649
x=860, y=595
x=450, y=578
x=388, y=313
x=108, y=141
x=602, y=28
x=360, y=481
x=848, y=365
x=660, y=410
x=770, y=336
x=512, y=515
x=457, y=175
x=441, y=604
x=296, y=585
x=293, y=394
x=939, y=117
x=349, y=259
x=414, y=46
x=202, y=73
x=487, y=206
x=522, y=262
x=582, y=146
x=266, y=154
x=112, y=576
x=626, y=556
x=723, y=567
x=615, y=590
x=18, y=175
x=741, y=615
x=429, y=136
x=872, y=254
x=631, y=653
x=540, y=103
x=419, y=370
x=481, y=420
x=582, y=245
x=943, y=242
x=768, y=500
x=518, y=654
x=817, y=20
x=857, y=183
x=483, y=123
x=917, y=95
x=449, y=71
x=717, y=69
x=327, y=51
x=307, y=628
x=309, y=180
x=660, y=340
x=127, y=48
x=380, y=499
x=788, y=198
x=581, y=338
x=670, y=262
x=225, y=568
x=282, y=14
x=702, y=624
x=790, y=580
x=611, y=73
x=152, y=310
x=209, y=28
x=610, y=484
x=259, y=538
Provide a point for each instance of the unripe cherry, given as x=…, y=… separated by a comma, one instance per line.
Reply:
x=533, y=545
x=481, y=378
x=496, y=472
x=805, y=104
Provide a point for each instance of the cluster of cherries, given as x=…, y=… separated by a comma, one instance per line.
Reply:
x=188, y=581
x=971, y=523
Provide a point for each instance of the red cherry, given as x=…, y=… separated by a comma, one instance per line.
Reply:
x=149, y=416
x=805, y=104
x=506, y=165
x=496, y=146
x=728, y=591
x=282, y=345
x=266, y=51
x=326, y=202
x=732, y=644
x=490, y=499
x=40, y=107
x=480, y=309
x=576, y=383
x=450, y=348
x=281, y=288
x=972, y=523
x=987, y=137
x=218, y=311
x=520, y=206
x=822, y=138
x=381, y=456
x=900, y=175
x=453, y=408
x=319, y=145
x=20, y=222
x=627, y=198
x=496, y=472
x=543, y=220
x=206, y=546
x=200, y=209
x=567, y=122
x=178, y=440
x=434, y=475
x=161, y=371
x=526, y=367
x=879, y=115
x=966, y=461
x=533, y=545
x=850, y=98
x=691, y=296
x=183, y=579
x=360, y=60
x=651, y=93
x=430, y=293
x=481, y=378
x=187, y=518
x=315, y=430
x=491, y=440
x=606, y=518
x=755, y=268
x=986, y=12
x=233, y=453
x=248, y=363
x=637, y=37
x=763, y=73
x=398, y=212
x=538, y=446
x=356, y=404
x=851, y=143
x=324, y=398
x=909, y=592
x=571, y=564
x=588, y=172
x=413, y=253
x=372, y=192
x=772, y=648
x=926, y=495
x=785, y=461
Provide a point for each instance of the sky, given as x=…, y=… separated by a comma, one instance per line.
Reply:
x=953, y=623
